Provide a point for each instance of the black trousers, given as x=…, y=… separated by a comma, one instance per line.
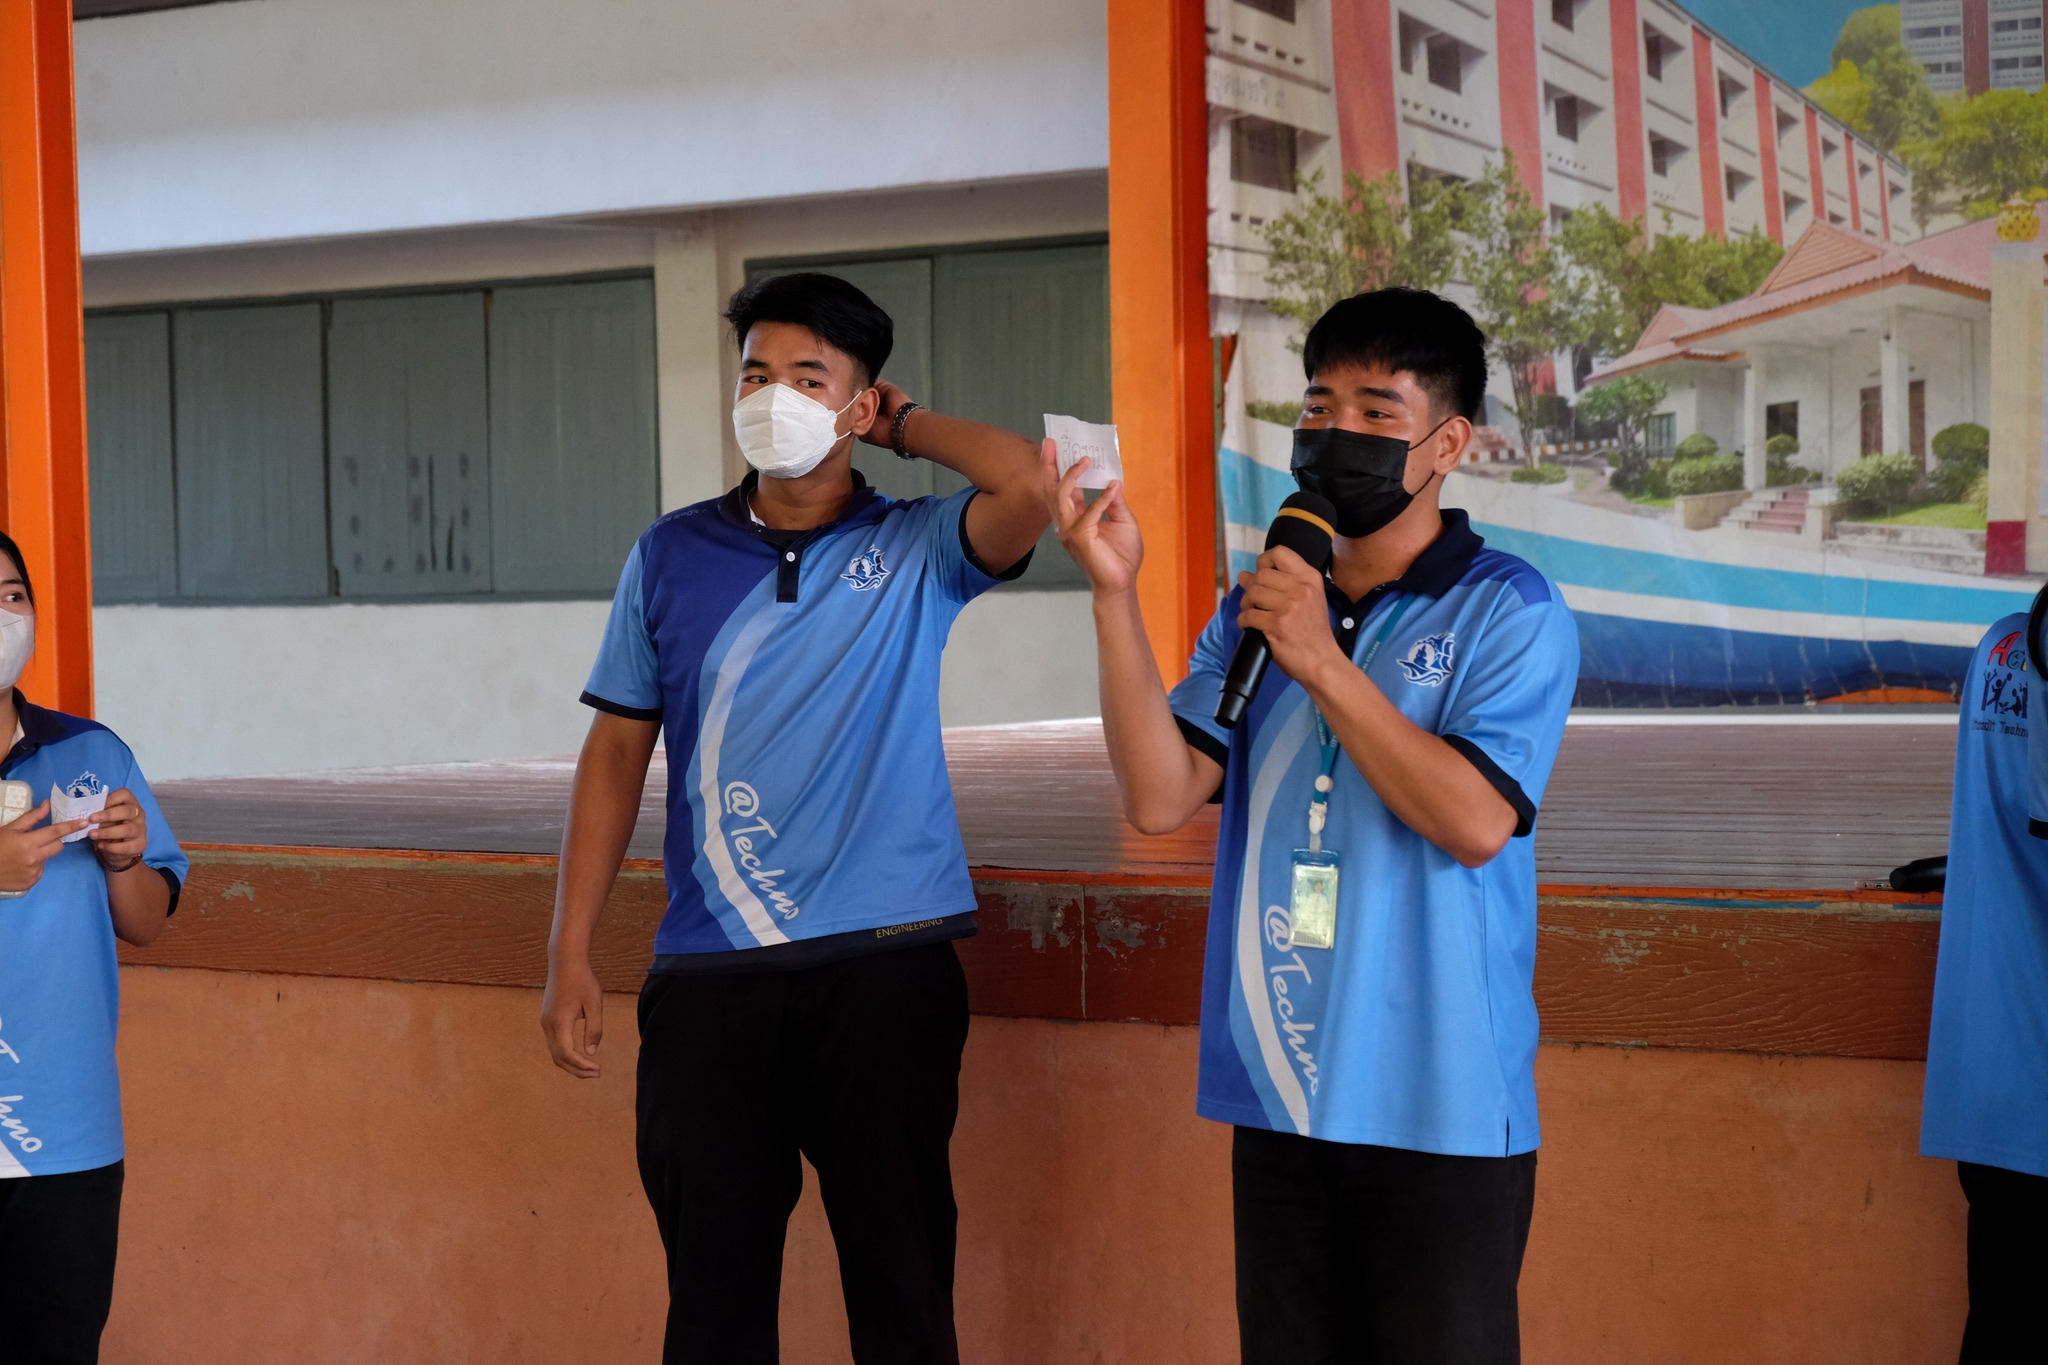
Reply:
x=855, y=1064
x=1357, y=1255
x=57, y=1239
x=2008, y=1265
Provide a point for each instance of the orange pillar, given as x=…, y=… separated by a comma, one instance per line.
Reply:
x=1767, y=153
x=1706, y=82
x=43, y=494
x=1160, y=358
x=1521, y=92
x=1625, y=48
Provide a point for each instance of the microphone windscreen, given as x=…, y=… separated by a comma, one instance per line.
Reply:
x=1305, y=525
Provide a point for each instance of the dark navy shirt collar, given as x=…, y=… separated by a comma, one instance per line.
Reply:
x=733, y=506
x=1438, y=569
x=40, y=726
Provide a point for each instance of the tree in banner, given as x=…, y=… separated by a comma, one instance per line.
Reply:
x=1876, y=87
x=1332, y=247
x=1629, y=403
x=1508, y=263
x=1611, y=280
x=1987, y=149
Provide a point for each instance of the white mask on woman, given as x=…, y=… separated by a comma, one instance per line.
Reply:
x=17, y=644
x=786, y=434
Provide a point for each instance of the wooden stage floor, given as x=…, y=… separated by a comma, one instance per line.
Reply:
x=1724, y=801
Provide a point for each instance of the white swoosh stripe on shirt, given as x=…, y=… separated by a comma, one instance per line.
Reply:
x=1251, y=953
x=730, y=670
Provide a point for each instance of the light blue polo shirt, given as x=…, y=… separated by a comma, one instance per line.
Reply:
x=1987, y=1050
x=60, y=995
x=796, y=678
x=1418, y=1028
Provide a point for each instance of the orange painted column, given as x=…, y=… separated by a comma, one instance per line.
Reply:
x=1626, y=45
x=1767, y=153
x=1521, y=92
x=1884, y=202
x=1160, y=355
x=1707, y=103
x=1813, y=166
x=43, y=492
x=1976, y=46
x=1362, y=48
x=1855, y=174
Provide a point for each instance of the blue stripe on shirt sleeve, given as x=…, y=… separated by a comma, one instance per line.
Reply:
x=626, y=678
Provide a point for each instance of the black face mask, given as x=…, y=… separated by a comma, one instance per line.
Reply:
x=1360, y=474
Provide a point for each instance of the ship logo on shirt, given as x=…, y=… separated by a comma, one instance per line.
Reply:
x=1428, y=661
x=867, y=570
x=85, y=784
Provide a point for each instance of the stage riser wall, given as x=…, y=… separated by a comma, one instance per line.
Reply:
x=331, y=1169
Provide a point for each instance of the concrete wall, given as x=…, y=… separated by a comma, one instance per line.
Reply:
x=282, y=119
x=240, y=690
x=328, y=1171
x=234, y=691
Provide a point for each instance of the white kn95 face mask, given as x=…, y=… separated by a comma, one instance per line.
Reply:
x=786, y=434
x=17, y=645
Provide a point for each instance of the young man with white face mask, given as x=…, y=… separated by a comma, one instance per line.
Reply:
x=804, y=996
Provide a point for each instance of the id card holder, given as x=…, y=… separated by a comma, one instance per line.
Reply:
x=1313, y=903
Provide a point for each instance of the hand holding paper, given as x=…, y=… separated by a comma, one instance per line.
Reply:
x=65, y=807
x=1074, y=438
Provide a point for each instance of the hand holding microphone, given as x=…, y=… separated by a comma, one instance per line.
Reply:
x=1305, y=527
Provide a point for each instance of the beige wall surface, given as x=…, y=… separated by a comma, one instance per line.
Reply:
x=234, y=691
x=325, y=1170
x=297, y=119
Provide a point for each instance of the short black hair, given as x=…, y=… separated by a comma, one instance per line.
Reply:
x=1409, y=330
x=836, y=313
x=13, y=552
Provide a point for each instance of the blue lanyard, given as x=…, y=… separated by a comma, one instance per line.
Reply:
x=1319, y=803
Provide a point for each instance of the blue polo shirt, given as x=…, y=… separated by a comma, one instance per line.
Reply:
x=796, y=679
x=1987, y=1049
x=60, y=996
x=1418, y=1028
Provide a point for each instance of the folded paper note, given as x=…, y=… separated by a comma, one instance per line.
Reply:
x=1073, y=438
x=64, y=806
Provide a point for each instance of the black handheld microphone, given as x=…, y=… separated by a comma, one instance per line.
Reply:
x=1303, y=526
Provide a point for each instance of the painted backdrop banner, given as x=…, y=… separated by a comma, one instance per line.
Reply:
x=1745, y=406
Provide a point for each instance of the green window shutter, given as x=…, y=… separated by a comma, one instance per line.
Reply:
x=408, y=443
x=572, y=432
x=252, y=488
x=1018, y=334
x=128, y=434
x=902, y=288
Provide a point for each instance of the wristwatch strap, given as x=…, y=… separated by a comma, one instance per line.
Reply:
x=903, y=411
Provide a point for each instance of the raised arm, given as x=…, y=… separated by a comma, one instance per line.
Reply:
x=1010, y=515
x=1163, y=779
x=610, y=775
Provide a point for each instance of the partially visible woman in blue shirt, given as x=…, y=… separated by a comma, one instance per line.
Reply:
x=72, y=887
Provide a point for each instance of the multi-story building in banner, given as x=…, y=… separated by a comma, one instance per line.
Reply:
x=1976, y=45
x=1633, y=104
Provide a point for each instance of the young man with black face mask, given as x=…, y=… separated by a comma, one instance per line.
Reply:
x=804, y=995
x=1379, y=1070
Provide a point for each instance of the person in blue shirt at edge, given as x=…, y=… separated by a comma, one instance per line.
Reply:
x=72, y=888
x=805, y=995
x=1986, y=1104
x=1382, y=1087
